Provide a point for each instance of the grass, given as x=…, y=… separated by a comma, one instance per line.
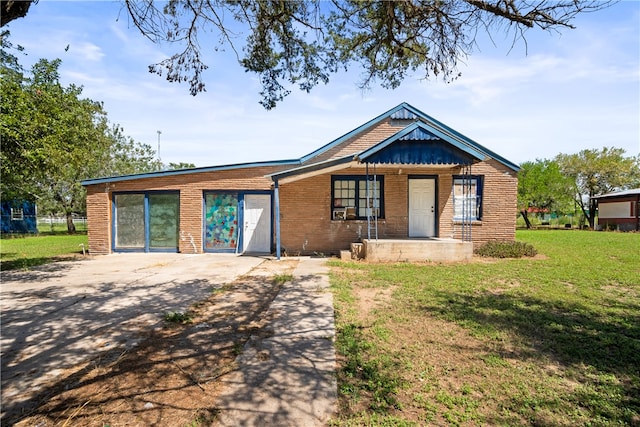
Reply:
x=553, y=340
x=23, y=252
x=280, y=279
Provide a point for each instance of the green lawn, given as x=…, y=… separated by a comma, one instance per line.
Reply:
x=28, y=251
x=553, y=340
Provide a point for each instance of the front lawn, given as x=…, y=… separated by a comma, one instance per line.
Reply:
x=28, y=251
x=553, y=340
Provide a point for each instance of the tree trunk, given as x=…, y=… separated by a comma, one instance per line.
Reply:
x=525, y=216
x=592, y=213
x=71, y=227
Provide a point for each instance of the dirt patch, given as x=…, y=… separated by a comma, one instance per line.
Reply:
x=172, y=376
x=371, y=298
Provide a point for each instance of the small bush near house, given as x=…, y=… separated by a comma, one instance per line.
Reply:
x=497, y=249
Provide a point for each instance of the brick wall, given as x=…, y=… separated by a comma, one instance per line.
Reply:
x=361, y=141
x=307, y=227
x=499, y=205
x=190, y=186
x=99, y=219
x=305, y=206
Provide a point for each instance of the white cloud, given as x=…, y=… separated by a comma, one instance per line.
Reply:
x=86, y=51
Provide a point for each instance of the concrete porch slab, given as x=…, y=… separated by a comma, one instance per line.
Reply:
x=417, y=250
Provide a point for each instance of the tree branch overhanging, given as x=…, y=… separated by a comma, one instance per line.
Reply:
x=303, y=43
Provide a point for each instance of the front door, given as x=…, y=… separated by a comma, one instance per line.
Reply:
x=422, y=207
x=257, y=223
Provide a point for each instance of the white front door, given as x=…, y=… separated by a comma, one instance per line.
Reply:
x=422, y=207
x=257, y=223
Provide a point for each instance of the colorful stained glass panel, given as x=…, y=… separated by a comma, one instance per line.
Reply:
x=221, y=221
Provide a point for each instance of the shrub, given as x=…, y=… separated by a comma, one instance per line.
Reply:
x=178, y=317
x=497, y=249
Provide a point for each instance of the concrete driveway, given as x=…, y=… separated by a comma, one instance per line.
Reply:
x=60, y=315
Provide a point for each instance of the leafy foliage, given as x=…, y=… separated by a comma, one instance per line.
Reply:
x=541, y=185
x=303, y=43
x=52, y=138
x=499, y=249
x=595, y=172
x=181, y=317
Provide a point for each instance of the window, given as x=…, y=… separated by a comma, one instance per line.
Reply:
x=17, y=214
x=467, y=202
x=146, y=221
x=349, y=197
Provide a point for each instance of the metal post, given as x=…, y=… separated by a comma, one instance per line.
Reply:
x=375, y=190
x=276, y=195
x=367, y=209
x=159, y=160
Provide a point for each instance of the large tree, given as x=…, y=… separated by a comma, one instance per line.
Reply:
x=302, y=43
x=595, y=172
x=542, y=185
x=52, y=138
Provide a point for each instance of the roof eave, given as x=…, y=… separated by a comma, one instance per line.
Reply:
x=156, y=174
x=357, y=130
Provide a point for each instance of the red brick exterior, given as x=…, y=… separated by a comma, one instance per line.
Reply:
x=305, y=204
x=191, y=187
x=305, y=208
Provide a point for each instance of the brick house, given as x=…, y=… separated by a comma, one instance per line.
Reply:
x=402, y=175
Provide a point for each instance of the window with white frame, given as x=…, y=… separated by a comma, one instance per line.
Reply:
x=17, y=214
x=467, y=197
x=351, y=196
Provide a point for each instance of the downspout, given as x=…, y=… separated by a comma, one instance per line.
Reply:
x=276, y=194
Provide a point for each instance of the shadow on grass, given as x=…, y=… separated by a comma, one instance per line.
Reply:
x=600, y=348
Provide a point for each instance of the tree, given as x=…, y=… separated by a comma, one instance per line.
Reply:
x=180, y=165
x=13, y=9
x=596, y=172
x=52, y=138
x=303, y=42
x=126, y=156
x=542, y=185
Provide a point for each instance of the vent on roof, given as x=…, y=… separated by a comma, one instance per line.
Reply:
x=403, y=114
x=419, y=134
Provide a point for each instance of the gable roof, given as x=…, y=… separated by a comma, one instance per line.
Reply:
x=446, y=146
x=419, y=143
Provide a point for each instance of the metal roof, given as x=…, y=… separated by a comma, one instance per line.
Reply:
x=188, y=171
x=431, y=130
x=624, y=193
x=403, y=114
x=422, y=144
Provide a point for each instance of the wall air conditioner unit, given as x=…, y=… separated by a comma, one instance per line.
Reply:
x=339, y=214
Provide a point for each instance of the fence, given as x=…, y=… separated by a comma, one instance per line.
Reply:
x=59, y=223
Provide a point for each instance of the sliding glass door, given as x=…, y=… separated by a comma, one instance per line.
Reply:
x=146, y=221
x=129, y=222
x=164, y=215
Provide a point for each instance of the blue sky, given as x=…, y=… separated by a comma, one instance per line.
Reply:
x=561, y=93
